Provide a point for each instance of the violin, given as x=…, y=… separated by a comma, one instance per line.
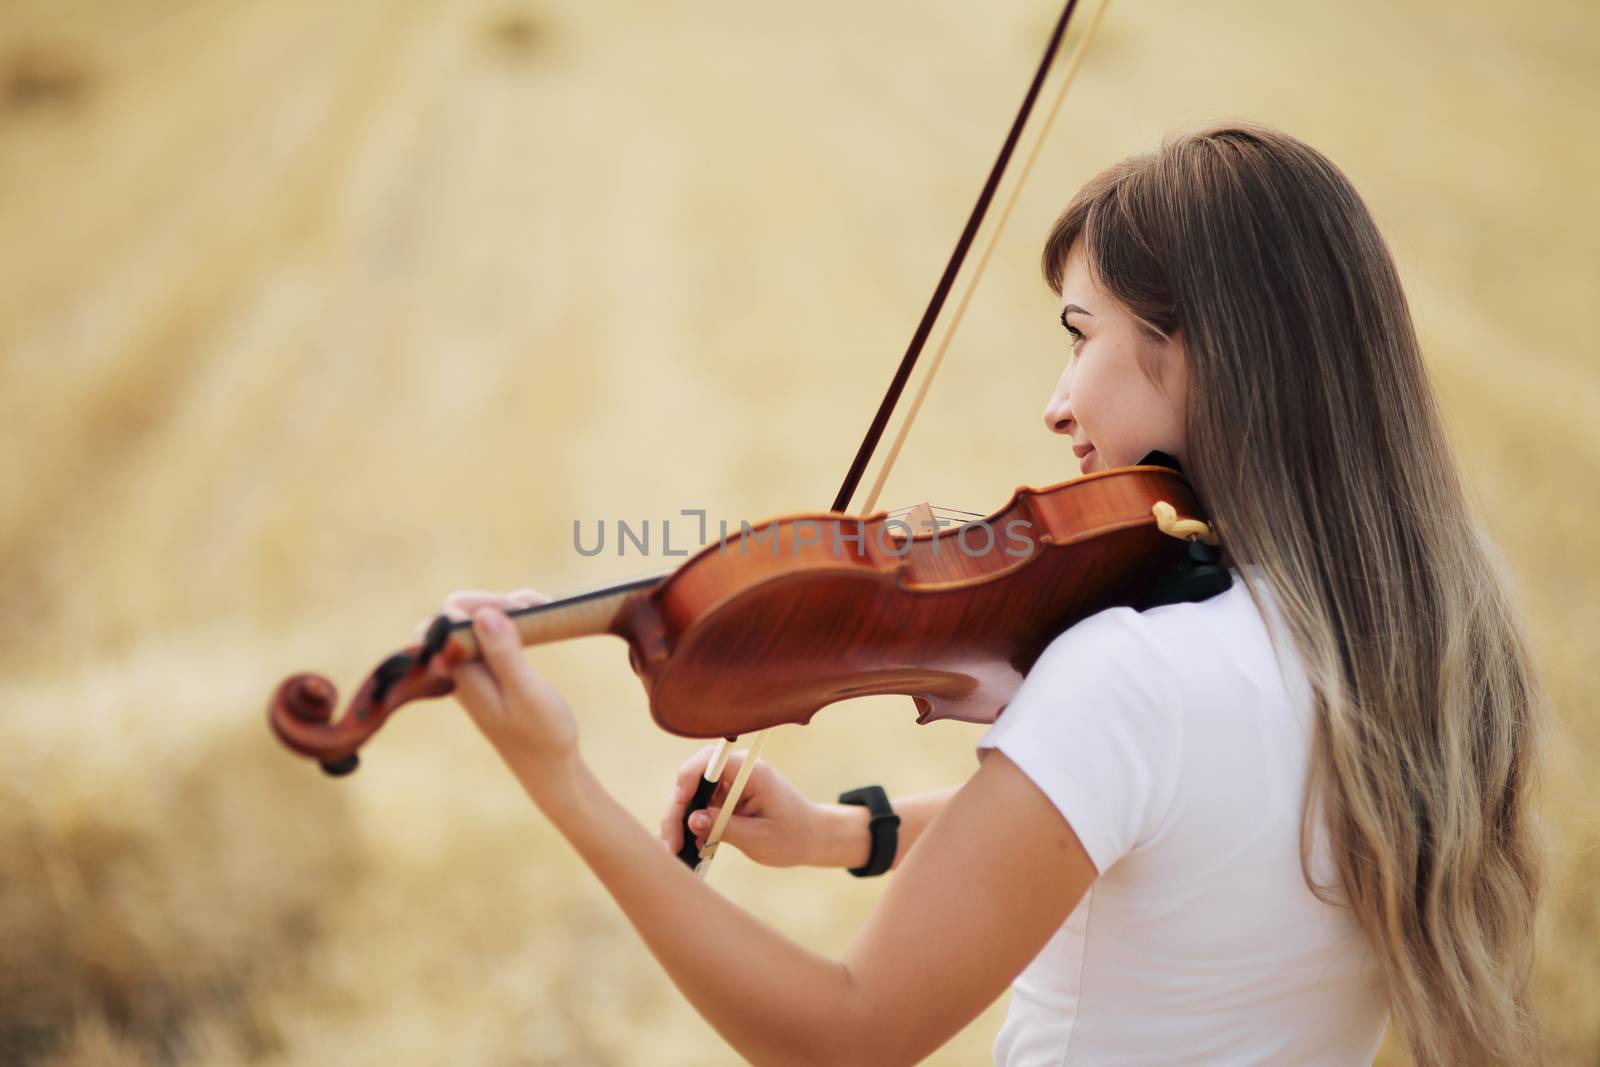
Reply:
x=840, y=607
x=801, y=612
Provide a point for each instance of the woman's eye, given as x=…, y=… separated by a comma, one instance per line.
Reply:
x=1076, y=335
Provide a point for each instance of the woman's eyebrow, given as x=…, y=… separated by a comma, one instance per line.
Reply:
x=1073, y=309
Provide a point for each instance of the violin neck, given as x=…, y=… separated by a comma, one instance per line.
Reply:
x=583, y=615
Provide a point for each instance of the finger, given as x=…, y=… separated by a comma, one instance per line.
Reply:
x=449, y=611
x=730, y=771
x=525, y=598
x=478, y=693
x=501, y=649
x=740, y=831
x=462, y=604
x=684, y=787
x=690, y=773
x=700, y=824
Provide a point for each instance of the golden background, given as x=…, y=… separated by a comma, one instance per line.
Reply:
x=313, y=312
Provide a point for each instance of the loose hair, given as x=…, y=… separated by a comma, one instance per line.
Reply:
x=1316, y=446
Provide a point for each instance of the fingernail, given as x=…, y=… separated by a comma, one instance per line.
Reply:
x=699, y=820
x=487, y=620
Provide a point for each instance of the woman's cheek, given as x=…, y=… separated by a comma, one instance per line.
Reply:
x=1108, y=418
x=1087, y=404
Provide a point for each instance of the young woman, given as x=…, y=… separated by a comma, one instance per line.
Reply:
x=1247, y=830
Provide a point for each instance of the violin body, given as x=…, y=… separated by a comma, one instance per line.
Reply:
x=771, y=629
x=805, y=611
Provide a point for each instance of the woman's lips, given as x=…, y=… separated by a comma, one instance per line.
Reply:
x=1083, y=461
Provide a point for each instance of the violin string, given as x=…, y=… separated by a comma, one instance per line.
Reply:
x=609, y=589
x=937, y=509
x=983, y=260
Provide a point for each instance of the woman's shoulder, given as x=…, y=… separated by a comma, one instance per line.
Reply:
x=1102, y=720
x=1118, y=706
x=1230, y=618
x=1177, y=652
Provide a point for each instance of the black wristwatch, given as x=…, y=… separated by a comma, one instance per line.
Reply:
x=885, y=827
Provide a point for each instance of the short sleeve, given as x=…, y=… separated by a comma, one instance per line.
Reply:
x=1095, y=725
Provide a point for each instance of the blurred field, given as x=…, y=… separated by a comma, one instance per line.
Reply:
x=310, y=313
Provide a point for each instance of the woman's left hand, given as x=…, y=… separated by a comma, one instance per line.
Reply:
x=524, y=717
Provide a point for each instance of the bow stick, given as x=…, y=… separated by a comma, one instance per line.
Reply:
x=699, y=858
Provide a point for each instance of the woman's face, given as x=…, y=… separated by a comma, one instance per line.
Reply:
x=1106, y=400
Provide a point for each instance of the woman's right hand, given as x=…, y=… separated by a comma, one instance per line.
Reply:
x=772, y=823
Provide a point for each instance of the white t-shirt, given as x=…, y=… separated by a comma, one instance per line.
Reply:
x=1176, y=743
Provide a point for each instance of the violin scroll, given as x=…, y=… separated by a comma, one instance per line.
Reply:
x=301, y=711
x=309, y=699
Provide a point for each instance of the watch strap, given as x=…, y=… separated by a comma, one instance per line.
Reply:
x=883, y=824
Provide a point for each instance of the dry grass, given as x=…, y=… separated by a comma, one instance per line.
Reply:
x=312, y=312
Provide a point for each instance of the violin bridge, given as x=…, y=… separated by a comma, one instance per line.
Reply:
x=925, y=518
x=920, y=518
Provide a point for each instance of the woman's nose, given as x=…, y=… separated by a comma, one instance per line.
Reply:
x=1058, y=417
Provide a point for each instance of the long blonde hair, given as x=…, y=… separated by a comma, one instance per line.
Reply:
x=1316, y=445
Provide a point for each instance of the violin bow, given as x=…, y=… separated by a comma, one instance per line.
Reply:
x=700, y=859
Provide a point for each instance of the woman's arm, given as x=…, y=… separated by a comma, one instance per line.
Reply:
x=846, y=839
x=999, y=874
